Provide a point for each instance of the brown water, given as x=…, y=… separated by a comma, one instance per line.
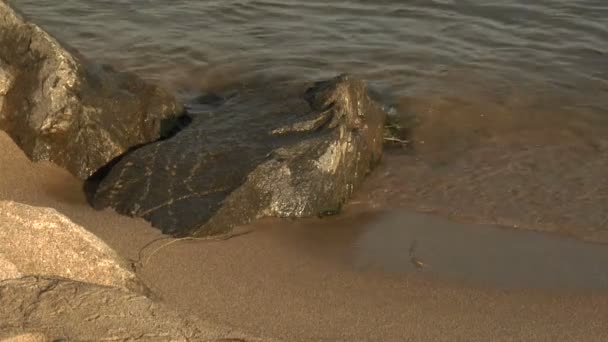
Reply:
x=506, y=102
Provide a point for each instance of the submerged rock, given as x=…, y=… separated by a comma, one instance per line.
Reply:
x=41, y=241
x=274, y=153
x=58, y=107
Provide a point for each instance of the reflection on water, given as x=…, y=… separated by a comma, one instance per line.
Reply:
x=403, y=241
x=506, y=102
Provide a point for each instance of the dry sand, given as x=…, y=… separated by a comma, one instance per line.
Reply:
x=268, y=284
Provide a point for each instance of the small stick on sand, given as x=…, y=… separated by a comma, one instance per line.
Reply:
x=418, y=263
x=222, y=237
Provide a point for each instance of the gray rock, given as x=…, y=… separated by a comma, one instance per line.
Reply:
x=274, y=153
x=41, y=241
x=58, y=107
x=66, y=310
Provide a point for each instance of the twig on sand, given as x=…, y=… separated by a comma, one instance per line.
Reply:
x=413, y=246
x=418, y=263
x=222, y=237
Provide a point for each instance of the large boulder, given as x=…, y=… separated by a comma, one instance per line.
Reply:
x=41, y=241
x=66, y=310
x=270, y=153
x=58, y=107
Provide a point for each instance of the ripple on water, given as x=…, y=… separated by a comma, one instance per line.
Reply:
x=508, y=99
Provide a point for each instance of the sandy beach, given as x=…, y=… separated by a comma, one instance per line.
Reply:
x=486, y=219
x=296, y=284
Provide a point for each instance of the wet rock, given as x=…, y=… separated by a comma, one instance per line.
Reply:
x=277, y=152
x=67, y=310
x=58, y=107
x=41, y=241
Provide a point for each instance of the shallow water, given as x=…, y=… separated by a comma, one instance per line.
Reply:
x=506, y=102
x=402, y=241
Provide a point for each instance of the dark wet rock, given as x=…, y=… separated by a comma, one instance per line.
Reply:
x=67, y=310
x=283, y=152
x=58, y=107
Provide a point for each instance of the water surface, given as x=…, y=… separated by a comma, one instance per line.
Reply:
x=505, y=102
x=406, y=242
x=548, y=46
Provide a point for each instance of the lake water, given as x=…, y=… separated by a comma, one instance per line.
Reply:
x=506, y=101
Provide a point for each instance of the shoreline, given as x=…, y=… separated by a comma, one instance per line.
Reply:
x=490, y=225
x=261, y=284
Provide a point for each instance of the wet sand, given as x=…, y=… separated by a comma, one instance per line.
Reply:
x=351, y=278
